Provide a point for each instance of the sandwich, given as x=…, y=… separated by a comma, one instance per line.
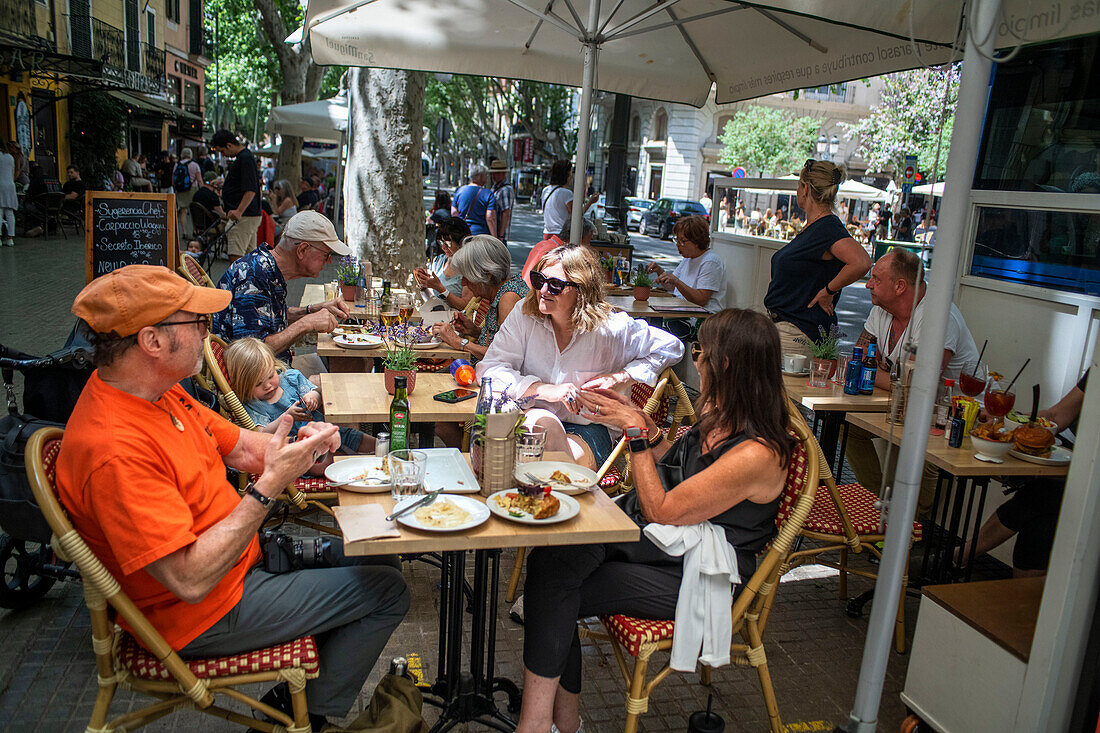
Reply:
x=1033, y=440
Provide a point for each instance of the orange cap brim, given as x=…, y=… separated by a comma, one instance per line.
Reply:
x=207, y=300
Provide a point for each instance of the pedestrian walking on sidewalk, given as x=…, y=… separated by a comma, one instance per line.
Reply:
x=9, y=202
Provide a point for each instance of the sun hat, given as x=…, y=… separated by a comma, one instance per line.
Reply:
x=130, y=298
x=312, y=226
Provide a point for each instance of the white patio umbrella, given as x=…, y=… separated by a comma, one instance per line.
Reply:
x=852, y=189
x=936, y=189
x=325, y=120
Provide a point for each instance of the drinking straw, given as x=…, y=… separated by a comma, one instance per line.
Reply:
x=980, y=354
x=1009, y=387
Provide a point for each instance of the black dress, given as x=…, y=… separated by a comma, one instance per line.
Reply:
x=799, y=274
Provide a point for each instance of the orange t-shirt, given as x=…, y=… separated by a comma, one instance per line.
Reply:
x=138, y=489
x=536, y=254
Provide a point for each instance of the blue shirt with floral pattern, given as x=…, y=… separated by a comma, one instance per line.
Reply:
x=258, y=307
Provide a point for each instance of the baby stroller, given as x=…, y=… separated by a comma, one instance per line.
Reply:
x=209, y=233
x=52, y=385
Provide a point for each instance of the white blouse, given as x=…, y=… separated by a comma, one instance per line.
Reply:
x=524, y=352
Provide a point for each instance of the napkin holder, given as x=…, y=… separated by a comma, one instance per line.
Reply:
x=493, y=452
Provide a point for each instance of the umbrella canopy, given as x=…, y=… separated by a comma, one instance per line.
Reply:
x=936, y=189
x=861, y=191
x=323, y=120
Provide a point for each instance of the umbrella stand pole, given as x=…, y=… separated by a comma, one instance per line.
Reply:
x=584, y=131
x=965, y=139
x=338, y=194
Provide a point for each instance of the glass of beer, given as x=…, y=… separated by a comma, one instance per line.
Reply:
x=405, y=307
x=622, y=269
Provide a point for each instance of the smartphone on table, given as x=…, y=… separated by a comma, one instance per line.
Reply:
x=455, y=395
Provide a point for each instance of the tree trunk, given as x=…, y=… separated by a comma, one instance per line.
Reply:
x=384, y=216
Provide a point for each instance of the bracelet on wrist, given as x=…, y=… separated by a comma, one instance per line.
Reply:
x=656, y=439
x=831, y=291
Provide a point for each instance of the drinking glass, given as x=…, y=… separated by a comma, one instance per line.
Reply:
x=407, y=472
x=360, y=297
x=998, y=400
x=390, y=313
x=622, y=269
x=819, y=373
x=405, y=307
x=842, y=359
x=331, y=290
x=972, y=380
x=530, y=444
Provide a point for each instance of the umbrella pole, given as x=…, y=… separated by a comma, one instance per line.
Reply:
x=338, y=194
x=584, y=132
x=965, y=138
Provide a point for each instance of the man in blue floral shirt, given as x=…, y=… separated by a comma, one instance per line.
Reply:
x=258, y=284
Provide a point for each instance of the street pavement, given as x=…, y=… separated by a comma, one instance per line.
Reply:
x=47, y=674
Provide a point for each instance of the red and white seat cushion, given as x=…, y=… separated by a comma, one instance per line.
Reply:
x=302, y=653
x=632, y=632
x=859, y=503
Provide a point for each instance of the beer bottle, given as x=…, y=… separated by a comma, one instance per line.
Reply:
x=399, y=415
x=385, y=289
x=870, y=369
x=854, y=372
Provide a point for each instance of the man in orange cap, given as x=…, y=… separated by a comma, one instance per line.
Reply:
x=141, y=472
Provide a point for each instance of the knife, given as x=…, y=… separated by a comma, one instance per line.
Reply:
x=428, y=499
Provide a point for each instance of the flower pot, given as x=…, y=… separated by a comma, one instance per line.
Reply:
x=347, y=292
x=410, y=375
x=607, y=277
x=641, y=293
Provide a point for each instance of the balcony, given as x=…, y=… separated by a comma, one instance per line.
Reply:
x=108, y=44
x=839, y=93
x=154, y=62
x=17, y=18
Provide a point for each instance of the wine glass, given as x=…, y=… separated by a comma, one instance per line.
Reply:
x=972, y=383
x=999, y=400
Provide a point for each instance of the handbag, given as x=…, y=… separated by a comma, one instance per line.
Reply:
x=20, y=516
x=395, y=707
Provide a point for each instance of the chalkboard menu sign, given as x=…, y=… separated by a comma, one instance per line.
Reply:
x=124, y=228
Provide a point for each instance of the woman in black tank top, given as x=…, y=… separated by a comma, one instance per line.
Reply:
x=729, y=470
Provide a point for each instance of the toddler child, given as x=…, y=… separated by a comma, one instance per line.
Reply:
x=269, y=389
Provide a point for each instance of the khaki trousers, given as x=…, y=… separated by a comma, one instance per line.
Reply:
x=788, y=332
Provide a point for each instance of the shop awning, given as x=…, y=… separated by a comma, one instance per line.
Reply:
x=157, y=106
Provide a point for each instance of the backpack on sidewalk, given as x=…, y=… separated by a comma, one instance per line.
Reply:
x=181, y=178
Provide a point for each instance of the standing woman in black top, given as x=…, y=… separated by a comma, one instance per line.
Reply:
x=809, y=273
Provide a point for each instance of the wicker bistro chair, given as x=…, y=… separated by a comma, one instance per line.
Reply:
x=143, y=661
x=305, y=495
x=190, y=268
x=845, y=519
x=640, y=638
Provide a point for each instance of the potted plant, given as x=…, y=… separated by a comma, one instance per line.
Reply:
x=825, y=347
x=642, y=283
x=399, y=360
x=608, y=264
x=347, y=272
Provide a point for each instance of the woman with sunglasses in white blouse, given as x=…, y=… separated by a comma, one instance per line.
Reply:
x=565, y=339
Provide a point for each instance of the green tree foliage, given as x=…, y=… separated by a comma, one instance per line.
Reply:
x=93, y=152
x=911, y=117
x=767, y=141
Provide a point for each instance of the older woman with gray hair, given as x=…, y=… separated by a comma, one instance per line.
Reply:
x=474, y=200
x=485, y=267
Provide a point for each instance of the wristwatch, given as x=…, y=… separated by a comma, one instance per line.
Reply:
x=251, y=490
x=463, y=342
x=636, y=440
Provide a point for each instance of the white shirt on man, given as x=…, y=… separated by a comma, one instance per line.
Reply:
x=524, y=351
x=707, y=272
x=957, y=338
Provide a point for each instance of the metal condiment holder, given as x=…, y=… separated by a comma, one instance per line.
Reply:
x=494, y=461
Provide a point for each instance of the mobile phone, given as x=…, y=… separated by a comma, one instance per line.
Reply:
x=455, y=395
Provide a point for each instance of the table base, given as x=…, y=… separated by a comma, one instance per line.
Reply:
x=467, y=695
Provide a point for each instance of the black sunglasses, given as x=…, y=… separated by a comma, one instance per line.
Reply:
x=554, y=286
x=696, y=350
x=207, y=320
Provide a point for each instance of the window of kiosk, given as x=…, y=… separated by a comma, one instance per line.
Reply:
x=1036, y=219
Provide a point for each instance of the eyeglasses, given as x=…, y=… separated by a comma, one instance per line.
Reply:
x=207, y=320
x=554, y=285
x=696, y=350
x=326, y=250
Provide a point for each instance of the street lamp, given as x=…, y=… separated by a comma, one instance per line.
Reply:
x=834, y=146
x=822, y=146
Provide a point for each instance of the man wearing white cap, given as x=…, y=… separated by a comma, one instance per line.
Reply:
x=258, y=284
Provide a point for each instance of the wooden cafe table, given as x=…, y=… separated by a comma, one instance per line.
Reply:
x=341, y=359
x=315, y=293
x=642, y=309
x=467, y=694
x=962, y=477
x=829, y=405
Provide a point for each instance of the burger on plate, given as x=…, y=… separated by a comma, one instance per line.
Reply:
x=1033, y=439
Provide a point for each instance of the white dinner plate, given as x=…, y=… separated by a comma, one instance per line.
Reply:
x=427, y=344
x=479, y=512
x=569, y=509
x=340, y=471
x=1058, y=457
x=581, y=478
x=357, y=341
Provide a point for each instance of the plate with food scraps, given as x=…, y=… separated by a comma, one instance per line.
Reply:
x=429, y=344
x=362, y=474
x=348, y=329
x=357, y=340
x=550, y=508
x=449, y=472
x=568, y=478
x=1058, y=457
x=446, y=514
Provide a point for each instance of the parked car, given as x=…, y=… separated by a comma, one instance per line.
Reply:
x=638, y=207
x=659, y=220
x=598, y=210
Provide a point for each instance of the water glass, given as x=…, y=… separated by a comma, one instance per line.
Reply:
x=331, y=290
x=407, y=472
x=530, y=444
x=842, y=359
x=360, y=297
x=819, y=373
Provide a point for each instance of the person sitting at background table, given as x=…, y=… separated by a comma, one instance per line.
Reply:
x=700, y=278
x=891, y=323
x=484, y=264
x=444, y=280
x=284, y=204
x=588, y=230
x=566, y=339
x=809, y=273
x=729, y=469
